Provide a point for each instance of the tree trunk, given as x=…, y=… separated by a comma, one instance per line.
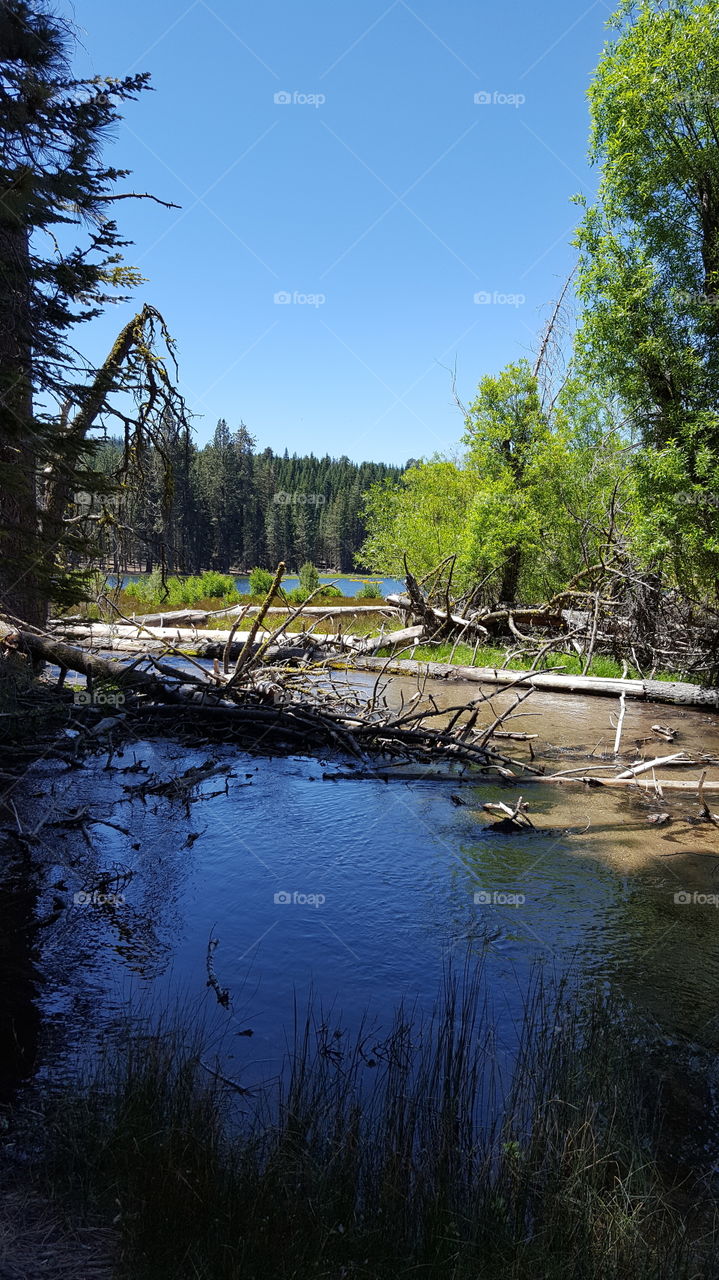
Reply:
x=21, y=592
x=510, y=576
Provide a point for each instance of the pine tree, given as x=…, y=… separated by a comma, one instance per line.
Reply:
x=55, y=189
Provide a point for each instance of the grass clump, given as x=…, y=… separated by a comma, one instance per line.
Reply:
x=386, y=1157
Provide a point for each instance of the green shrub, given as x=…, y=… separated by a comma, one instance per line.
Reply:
x=309, y=578
x=369, y=591
x=296, y=595
x=217, y=585
x=176, y=593
x=330, y=592
x=260, y=582
x=148, y=589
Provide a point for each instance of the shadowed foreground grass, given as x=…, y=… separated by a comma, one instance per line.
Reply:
x=406, y=1156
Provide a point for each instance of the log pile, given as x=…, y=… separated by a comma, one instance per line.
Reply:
x=267, y=707
x=270, y=690
x=272, y=708
x=432, y=616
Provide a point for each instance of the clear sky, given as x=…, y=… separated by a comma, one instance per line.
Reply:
x=381, y=198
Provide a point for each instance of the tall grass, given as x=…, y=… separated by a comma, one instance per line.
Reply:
x=407, y=1155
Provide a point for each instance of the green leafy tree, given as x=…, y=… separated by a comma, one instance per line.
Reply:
x=505, y=429
x=537, y=497
x=422, y=516
x=649, y=274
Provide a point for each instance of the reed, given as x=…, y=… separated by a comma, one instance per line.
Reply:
x=417, y=1153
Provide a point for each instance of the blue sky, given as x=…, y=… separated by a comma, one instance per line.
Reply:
x=381, y=198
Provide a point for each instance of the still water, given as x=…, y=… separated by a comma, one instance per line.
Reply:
x=348, y=586
x=359, y=891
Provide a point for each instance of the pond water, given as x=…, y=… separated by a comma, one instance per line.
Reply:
x=360, y=890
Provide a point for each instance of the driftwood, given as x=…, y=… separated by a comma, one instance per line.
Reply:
x=200, y=617
x=392, y=640
x=620, y=722
x=179, y=787
x=211, y=644
x=266, y=718
x=646, y=765
x=516, y=819
x=550, y=779
x=647, y=690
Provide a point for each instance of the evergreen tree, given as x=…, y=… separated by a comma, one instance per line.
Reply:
x=60, y=263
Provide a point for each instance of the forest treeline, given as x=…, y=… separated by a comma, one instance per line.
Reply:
x=186, y=508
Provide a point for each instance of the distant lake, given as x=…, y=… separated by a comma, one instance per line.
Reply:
x=348, y=586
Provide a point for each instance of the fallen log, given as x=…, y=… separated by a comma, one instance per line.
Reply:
x=89, y=665
x=392, y=640
x=440, y=616
x=117, y=632
x=129, y=638
x=675, y=692
x=141, y=637
x=199, y=617
x=680, y=758
x=665, y=784
x=429, y=775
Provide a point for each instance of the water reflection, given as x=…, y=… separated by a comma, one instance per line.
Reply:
x=361, y=890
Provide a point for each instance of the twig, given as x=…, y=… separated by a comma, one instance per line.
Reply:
x=679, y=758
x=622, y=709
x=223, y=995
